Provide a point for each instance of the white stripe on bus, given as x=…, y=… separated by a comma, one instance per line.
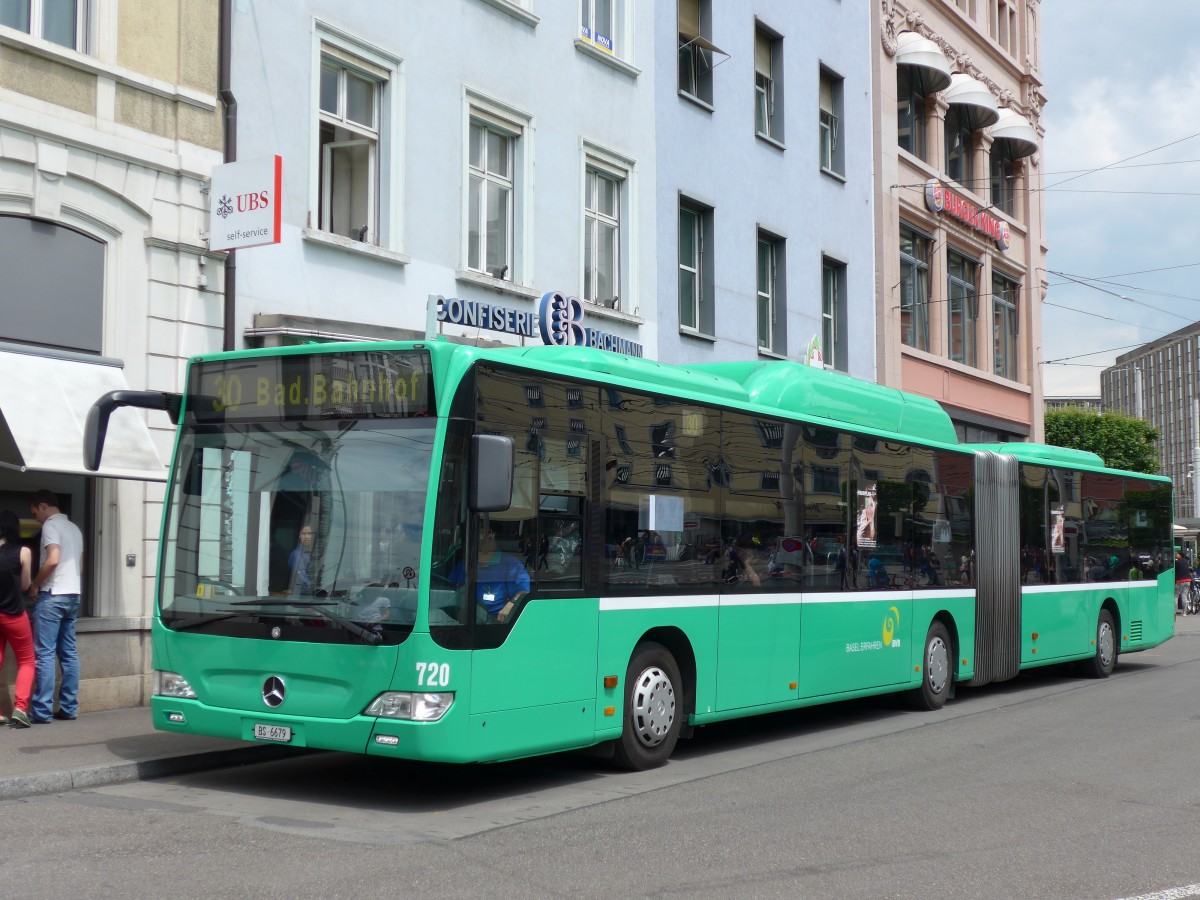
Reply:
x=1086, y=585
x=611, y=604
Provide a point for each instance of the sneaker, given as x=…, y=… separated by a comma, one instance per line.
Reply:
x=20, y=719
x=3, y=719
x=62, y=716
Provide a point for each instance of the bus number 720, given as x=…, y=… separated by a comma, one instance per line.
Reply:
x=433, y=675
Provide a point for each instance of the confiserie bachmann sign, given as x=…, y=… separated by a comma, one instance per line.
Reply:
x=941, y=199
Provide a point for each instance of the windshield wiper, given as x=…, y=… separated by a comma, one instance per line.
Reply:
x=208, y=620
x=317, y=606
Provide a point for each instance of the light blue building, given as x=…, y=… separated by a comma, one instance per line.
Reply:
x=698, y=173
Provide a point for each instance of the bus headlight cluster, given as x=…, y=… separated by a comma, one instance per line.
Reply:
x=409, y=705
x=172, y=684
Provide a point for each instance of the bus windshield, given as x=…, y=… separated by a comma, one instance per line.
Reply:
x=306, y=530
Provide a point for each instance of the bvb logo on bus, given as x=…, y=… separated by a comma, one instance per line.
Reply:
x=890, y=623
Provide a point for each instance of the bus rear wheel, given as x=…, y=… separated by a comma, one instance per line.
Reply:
x=937, y=670
x=1104, y=660
x=653, y=709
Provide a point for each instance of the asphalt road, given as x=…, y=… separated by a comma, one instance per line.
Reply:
x=1047, y=786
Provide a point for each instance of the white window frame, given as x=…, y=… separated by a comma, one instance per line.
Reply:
x=766, y=309
x=481, y=109
x=602, y=162
x=766, y=120
x=84, y=13
x=830, y=115
x=1006, y=326
x=332, y=44
x=964, y=306
x=830, y=310
x=694, y=267
x=615, y=41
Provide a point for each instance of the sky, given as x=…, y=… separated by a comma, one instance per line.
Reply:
x=1122, y=82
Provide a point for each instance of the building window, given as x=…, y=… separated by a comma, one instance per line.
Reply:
x=602, y=237
x=771, y=294
x=602, y=24
x=348, y=146
x=62, y=22
x=1003, y=174
x=1002, y=24
x=1005, y=325
x=914, y=288
x=910, y=111
x=833, y=314
x=695, y=268
x=967, y=7
x=961, y=293
x=696, y=50
x=768, y=88
x=831, y=142
x=960, y=141
x=490, y=200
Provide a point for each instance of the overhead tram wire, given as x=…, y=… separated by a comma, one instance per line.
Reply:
x=1121, y=296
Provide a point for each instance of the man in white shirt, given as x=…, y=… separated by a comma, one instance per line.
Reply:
x=56, y=588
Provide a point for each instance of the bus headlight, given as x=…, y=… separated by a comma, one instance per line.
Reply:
x=172, y=684
x=411, y=706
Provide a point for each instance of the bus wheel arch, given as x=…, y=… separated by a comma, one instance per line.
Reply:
x=938, y=665
x=1108, y=642
x=655, y=707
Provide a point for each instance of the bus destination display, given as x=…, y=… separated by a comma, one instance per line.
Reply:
x=361, y=384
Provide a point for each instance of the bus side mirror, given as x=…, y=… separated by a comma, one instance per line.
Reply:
x=95, y=428
x=493, y=457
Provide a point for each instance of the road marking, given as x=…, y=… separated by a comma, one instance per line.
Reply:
x=1191, y=890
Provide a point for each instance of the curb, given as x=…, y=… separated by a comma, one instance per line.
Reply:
x=140, y=770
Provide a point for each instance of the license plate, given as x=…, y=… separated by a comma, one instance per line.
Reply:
x=280, y=733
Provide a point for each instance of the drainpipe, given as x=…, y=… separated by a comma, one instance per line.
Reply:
x=229, y=121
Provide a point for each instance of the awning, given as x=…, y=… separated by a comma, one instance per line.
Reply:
x=931, y=69
x=689, y=27
x=44, y=400
x=973, y=96
x=1014, y=136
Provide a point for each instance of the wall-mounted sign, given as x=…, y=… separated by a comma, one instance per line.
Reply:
x=245, y=203
x=559, y=322
x=939, y=198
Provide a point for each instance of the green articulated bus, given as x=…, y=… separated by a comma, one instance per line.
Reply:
x=440, y=552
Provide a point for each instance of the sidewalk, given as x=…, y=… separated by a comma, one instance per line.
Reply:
x=111, y=747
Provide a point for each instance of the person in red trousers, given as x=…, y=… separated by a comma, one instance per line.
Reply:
x=15, y=565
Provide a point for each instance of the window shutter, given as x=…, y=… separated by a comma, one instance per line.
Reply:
x=762, y=54
x=689, y=19
x=826, y=95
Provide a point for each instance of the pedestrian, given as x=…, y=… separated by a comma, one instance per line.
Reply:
x=55, y=589
x=1183, y=582
x=16, y=563
x=300, y=562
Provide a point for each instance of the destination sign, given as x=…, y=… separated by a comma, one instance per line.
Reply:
x=360, y=384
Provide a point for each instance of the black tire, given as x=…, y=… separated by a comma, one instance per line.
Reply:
x=1104, y=660
x=653, y=712
x=937, y=669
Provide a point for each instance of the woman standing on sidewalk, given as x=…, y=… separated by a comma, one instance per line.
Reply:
x=15, y=565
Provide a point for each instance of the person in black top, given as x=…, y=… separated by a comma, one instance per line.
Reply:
x=16, y=563
x=1183, y=581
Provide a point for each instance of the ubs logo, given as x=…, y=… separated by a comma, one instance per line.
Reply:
x=274, y=691
x=561, y=320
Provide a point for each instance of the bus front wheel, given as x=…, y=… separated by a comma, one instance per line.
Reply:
x=1104, y=660
x=937, y=669
x=653, y=709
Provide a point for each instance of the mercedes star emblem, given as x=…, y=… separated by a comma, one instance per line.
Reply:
x=274, y=691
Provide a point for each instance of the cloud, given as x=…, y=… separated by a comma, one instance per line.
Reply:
x=1120, y=83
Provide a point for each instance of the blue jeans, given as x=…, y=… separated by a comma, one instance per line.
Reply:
x=54, y=618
